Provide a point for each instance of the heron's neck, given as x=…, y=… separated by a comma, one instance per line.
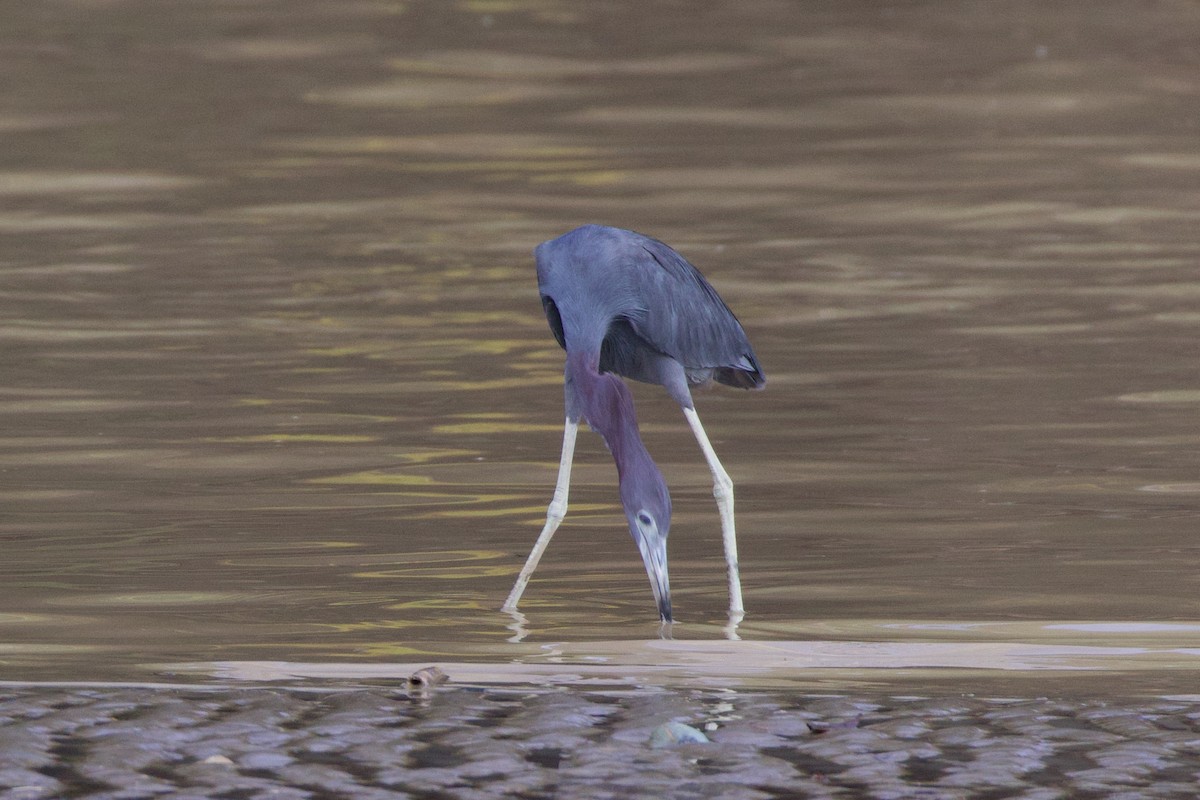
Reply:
x=606, y=403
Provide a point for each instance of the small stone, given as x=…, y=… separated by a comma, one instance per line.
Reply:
x=672, y=733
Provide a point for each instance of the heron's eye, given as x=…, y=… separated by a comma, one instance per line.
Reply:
x=644, y=518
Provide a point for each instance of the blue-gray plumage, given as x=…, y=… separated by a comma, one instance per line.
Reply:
x=623, y=304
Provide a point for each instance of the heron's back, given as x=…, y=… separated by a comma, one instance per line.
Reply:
x=640, y=301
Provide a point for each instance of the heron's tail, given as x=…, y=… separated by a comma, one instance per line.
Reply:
x=746, y=375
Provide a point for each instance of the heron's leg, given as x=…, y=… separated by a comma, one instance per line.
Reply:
x=723, y=491
x=554, y=515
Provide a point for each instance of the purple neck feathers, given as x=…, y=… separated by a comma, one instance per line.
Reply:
x=607, y=405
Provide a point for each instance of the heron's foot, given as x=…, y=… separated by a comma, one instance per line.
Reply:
x=731, y=627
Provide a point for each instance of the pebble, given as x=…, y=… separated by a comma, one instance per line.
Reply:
x=295, y=744
x=673, y=733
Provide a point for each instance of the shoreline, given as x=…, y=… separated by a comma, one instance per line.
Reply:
x=329, y=740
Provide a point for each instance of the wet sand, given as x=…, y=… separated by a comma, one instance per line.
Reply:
x=381, y=742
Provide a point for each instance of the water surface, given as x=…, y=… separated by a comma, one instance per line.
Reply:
x=277, y=385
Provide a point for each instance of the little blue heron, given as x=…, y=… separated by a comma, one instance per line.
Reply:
x=624, y=304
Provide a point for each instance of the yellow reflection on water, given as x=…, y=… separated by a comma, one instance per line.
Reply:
x=446, y=565
x=456, y=574
x=594, y=177
x=409, y=457
x=512, y=145
x=524, y=381
x=374, y=625
x=30, y=183
x=326, y=438
x=490, y=347
x=511, y=165
x=388, y=650
x=170, y=598
x=271, y=401
x=495, y=427
x=1172, y=488
x=356, y=349
x=519, y=511
x=430, y=92
x=373, y=477
x=1163, y=396
x=424, y=456
x=447, y=603
x=1030, y=330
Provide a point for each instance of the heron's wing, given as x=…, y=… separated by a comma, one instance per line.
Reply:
x=679, y=314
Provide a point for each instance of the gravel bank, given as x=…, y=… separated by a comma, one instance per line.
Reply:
x=193, y=742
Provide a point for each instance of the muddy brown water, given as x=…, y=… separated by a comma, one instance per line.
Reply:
x=277, y=386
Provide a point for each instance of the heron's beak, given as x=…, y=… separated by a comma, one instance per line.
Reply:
x=654, y=555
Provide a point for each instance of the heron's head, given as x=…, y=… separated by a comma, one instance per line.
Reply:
x=648, y=509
